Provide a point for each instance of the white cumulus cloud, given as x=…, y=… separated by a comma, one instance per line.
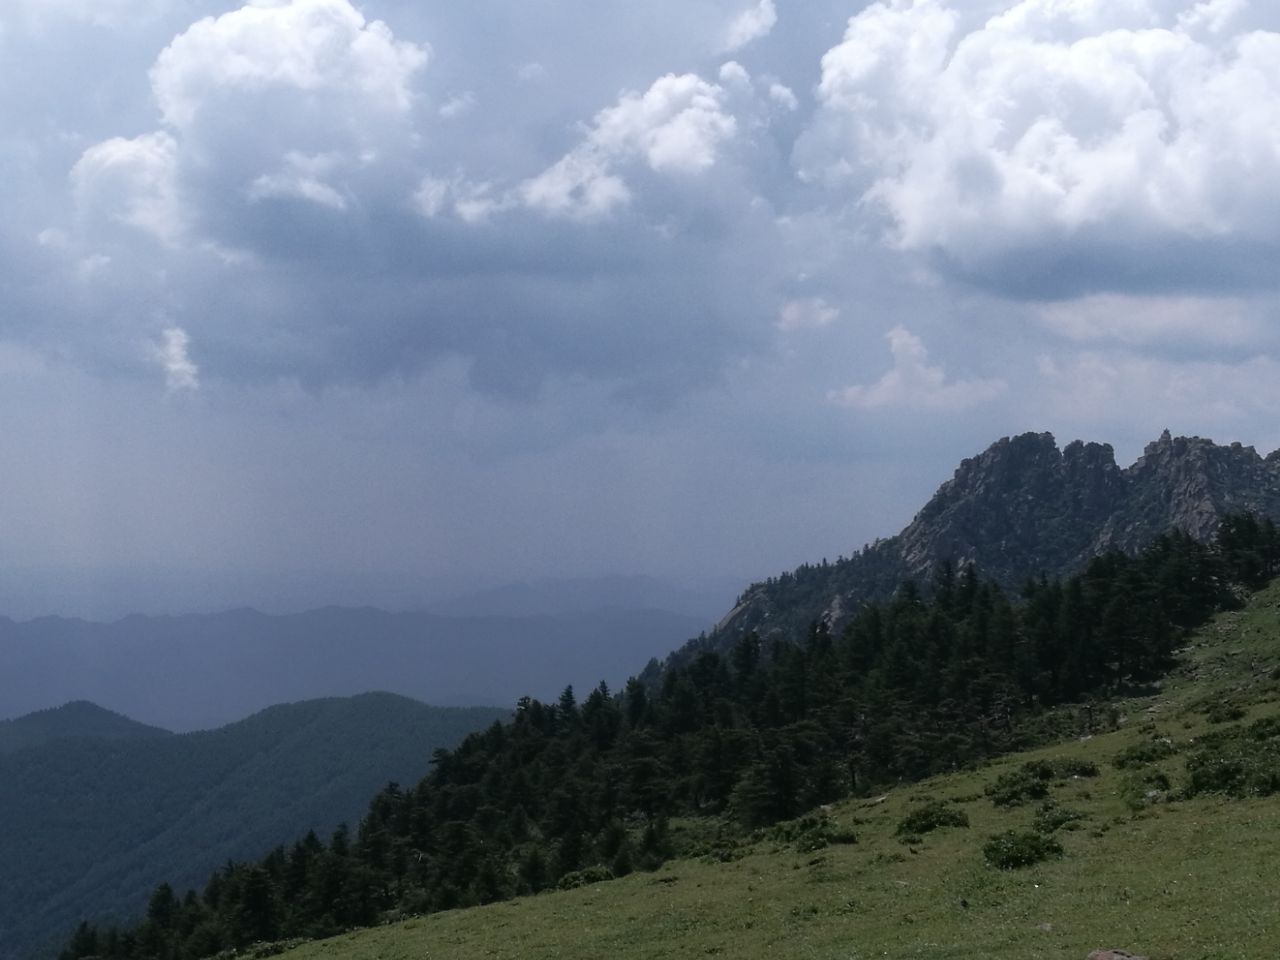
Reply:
x=302, y=100
x=676, y=127
x=132, y=181
x=750, y=25
x=1056, y=124
x=914, y=384
x=317, y=46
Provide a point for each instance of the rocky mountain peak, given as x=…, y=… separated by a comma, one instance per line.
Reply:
x=1024, y=507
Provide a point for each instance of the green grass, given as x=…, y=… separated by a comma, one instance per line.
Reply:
x=1166, y=878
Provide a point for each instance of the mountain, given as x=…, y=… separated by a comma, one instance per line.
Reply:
x=201, y=671
x=1023, y=508
x=92, y=825
x=77, y=719
x=1144, y=853
x=559, y=597
x=744, y=754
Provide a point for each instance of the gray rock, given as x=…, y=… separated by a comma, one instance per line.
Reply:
x=1114, y=955
x=1024, y=505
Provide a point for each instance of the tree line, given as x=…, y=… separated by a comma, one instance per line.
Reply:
x=936, y=678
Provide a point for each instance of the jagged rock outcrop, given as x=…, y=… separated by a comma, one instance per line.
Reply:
x=1023, y=508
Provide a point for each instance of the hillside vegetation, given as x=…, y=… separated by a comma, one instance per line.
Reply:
x=77, y=719
x=569, y=794
x=91, y=825
x=1154, y=858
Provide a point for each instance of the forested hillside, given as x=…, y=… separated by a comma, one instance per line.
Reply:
x=77, y=719
x=1153, y=836
x=938, y=677
x=89, y=826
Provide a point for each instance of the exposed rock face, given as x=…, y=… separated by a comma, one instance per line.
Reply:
x=1114, y=955
x=1022, y=508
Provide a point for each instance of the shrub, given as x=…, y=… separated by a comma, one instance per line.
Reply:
x=808, y=833
x=931, y=817
x=1142, y=754
x=1240, y=771
x=1239, y=762
x=1224, y=711
x=1051, y=817
x=584, y=877
x=1014, y=849
x=1065, y=767
x=1017, y=787
x=1031, y=780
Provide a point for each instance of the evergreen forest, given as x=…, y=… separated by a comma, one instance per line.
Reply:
x=943, y=675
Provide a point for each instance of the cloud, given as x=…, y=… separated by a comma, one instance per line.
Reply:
x=312, y=46
x=298, y=100
x=100, y=13
x=811, y=314
x=180, y=373
x=301, y=179
x=531, y=72
x=1150, y=320
x=783, y=95
x=458, y=106
x=469, y=201
x=675, y=128
x=750, y=25
x=1045, y=144
x=915, y=385
x=1114, y=390
x=134, y=182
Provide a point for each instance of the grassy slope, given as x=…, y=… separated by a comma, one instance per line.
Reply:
x=1187, y=880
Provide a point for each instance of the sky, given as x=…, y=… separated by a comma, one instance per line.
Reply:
x=356, y=301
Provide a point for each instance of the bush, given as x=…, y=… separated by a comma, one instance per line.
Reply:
x=1013, y=849
x=1224, y=711
x=1237, y=762
x=1142, y=788
x=809, y=833
x=1052, y=816
x=930, y=817
x=585, y=877
x=1031, y=780
x=1017, y=787
x=1142, y=754
x=1064, y=768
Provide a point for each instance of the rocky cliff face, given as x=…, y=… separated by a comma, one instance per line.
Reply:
x=1021, y=508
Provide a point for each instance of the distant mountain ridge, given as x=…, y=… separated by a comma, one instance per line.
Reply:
x=559, y=597
x=77, y=719
x=1024, y=507
x=201, y=671
x=91, y=825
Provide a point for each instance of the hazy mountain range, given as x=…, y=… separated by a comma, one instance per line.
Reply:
x=202, y=670
x=96, y=809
